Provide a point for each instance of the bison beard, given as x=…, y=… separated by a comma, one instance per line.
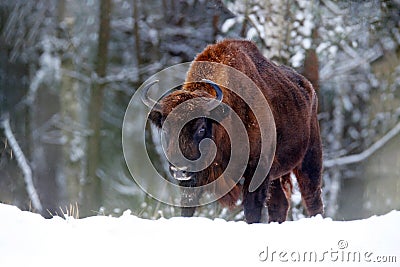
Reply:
x=293, y=103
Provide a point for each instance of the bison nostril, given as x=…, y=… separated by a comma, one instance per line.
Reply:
x=180, y=173
x=175, y=169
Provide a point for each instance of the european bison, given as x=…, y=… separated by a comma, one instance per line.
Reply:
x=293, y=103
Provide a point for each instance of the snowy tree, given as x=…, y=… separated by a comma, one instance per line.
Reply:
x=344, y=39
x=349, y=47
x=65, y=88
x=28, y=45
x=282, y=30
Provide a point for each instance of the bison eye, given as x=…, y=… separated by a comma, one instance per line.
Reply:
x=201, y=132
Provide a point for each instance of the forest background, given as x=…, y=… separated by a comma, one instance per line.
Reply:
x=69, y=68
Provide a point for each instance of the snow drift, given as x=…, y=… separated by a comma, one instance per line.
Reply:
x=27, y=239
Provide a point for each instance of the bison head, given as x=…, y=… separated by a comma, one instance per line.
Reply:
x=187, y=140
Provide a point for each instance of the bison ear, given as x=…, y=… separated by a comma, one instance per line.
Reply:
x=155, y=117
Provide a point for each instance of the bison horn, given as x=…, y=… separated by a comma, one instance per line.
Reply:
x=219, y=95
x=151, y=103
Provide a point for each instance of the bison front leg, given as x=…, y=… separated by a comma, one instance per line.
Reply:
x=254, y=202
x=189, y=200
x=278, y=203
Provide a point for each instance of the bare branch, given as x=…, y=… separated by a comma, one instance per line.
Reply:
x=350, y=64
x=333, y=7
x=76, y=75
x=248, y=18
x=366, y=153
x=130, y=75
x=22, y=163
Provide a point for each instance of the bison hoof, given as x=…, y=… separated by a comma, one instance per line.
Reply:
x=253, y=216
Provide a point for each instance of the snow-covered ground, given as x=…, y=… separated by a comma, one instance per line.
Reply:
x=27, y=239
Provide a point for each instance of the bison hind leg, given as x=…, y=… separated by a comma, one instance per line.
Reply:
x=309, y=178
x=310, y=189
x=278, y=200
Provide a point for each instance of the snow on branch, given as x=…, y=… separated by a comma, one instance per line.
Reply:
x=333, y=7
x=130, y=75
x=353, y=62
x=366, y=153
x=22, y=163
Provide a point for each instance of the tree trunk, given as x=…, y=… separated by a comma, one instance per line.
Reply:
x=71, y=116
x=45, y=154
x=311, y=65
x=92, y=195
x=136, y=33
x=338, y=129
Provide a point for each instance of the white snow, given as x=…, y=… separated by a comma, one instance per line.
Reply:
x=228, y=24
x=251, y=33
x=27, y=239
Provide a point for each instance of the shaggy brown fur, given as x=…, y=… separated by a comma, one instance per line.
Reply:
x=293, y=103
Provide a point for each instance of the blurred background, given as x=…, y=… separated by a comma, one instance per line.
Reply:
x=69, y=68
